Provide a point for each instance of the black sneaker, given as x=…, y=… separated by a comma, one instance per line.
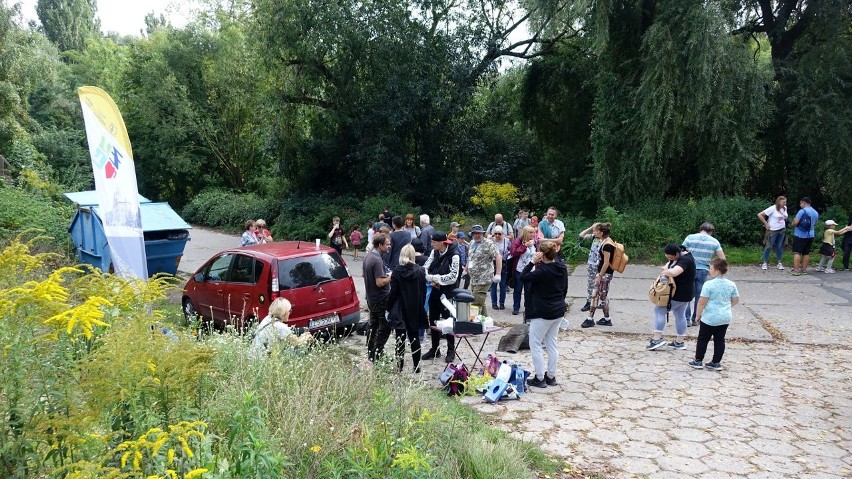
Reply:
x=432, y=354
x=588, y=323
x=549, y=380
x=713, y=366
x=451, y=356
x=536, y=382
x=586, y=306
x=605, y=322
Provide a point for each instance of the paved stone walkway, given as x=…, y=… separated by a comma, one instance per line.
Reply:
x=781, y=407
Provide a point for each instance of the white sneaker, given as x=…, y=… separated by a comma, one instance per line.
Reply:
x=820, y=269
x=781, y=266
x=829, y=271
x=764, y=267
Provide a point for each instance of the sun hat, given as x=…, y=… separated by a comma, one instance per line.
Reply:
x=477, y=229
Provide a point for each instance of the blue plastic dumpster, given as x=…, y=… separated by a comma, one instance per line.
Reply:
x=165, y=234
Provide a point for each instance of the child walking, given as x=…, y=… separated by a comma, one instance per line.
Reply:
x=355, y=239
x=826, y=249
x=718, y=296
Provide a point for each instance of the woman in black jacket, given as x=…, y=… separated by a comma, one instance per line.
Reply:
x=406, y=304
x=545, y=310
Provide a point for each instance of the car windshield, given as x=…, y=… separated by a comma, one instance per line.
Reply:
x=310, y=270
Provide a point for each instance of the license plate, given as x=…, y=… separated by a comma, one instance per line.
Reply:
x=323, y=321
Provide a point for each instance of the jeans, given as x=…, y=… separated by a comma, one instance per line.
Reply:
x=847, y=249
x=543, y=334
x=700, y=278
x=679, y=313
x=705, y=331
x=774, y=240
x=380, y=329
x=504, y=278
x=520, y=287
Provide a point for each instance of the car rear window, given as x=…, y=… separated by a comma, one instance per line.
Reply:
x=310, y=270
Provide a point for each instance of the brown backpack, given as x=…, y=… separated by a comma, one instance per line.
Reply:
x=661, y=294
x=619, y=259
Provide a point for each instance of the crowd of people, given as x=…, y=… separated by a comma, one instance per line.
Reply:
x=408, y=267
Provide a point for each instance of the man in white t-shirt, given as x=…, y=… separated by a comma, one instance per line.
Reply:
x=774, y=220
x=553, y=229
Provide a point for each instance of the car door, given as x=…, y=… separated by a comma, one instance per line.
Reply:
x=209, y=293
x=245, y=294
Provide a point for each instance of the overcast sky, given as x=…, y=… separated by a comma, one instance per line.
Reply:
x=126, y=17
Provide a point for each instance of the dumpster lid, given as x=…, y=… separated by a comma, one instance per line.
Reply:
x=157, y=217
x=90, y=198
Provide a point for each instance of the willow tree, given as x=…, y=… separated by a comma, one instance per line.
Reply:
x=679, y=104
x=809, y=135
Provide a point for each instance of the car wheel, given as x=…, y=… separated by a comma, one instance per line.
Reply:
x=189, y=313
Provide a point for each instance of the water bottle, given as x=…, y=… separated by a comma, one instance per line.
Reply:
x=664, y=279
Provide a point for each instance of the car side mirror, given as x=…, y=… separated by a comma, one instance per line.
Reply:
x=199, y=278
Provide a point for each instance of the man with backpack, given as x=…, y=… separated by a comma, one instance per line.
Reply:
x=703, y=247
x=803, y=236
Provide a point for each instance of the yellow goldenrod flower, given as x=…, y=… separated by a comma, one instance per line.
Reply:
x=124, y=458
x=170, y=456
x=172, y=474
x=185, y=447
x=194, y=473
x=137, y=459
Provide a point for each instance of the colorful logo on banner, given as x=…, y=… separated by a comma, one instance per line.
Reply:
x=107, y=158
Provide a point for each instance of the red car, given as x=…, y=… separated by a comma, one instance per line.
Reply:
x=236, y=286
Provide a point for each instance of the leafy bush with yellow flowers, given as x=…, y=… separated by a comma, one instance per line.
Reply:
x=79, y=362
x=495, y=198
x=99, y=381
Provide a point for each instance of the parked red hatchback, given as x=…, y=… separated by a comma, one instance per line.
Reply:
x=236, y=286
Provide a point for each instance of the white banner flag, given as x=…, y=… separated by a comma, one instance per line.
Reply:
x=115, y=182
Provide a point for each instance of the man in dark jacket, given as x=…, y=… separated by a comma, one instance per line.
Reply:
x=442, y=271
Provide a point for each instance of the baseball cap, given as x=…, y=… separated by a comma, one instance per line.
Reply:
x=441, y=237
x=454, y=224
x=831, y=223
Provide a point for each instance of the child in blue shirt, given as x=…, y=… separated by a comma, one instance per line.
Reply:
x=718, y=296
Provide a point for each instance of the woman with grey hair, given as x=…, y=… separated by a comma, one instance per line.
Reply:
x=406, y=305
x=499, y=237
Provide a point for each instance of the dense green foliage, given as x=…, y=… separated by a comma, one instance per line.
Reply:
x=608, y=103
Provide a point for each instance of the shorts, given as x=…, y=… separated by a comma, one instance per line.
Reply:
x=802, y=245
x=826, y=250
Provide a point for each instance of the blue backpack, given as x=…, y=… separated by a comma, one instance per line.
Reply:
x=805, y=222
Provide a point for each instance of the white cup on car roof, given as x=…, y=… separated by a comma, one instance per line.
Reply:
x=318, y=243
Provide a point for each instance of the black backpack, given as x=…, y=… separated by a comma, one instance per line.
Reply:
x=805, y=221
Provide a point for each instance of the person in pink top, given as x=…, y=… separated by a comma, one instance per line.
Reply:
x=355, y=240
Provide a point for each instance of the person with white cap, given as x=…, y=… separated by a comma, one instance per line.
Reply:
x=826, y=249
